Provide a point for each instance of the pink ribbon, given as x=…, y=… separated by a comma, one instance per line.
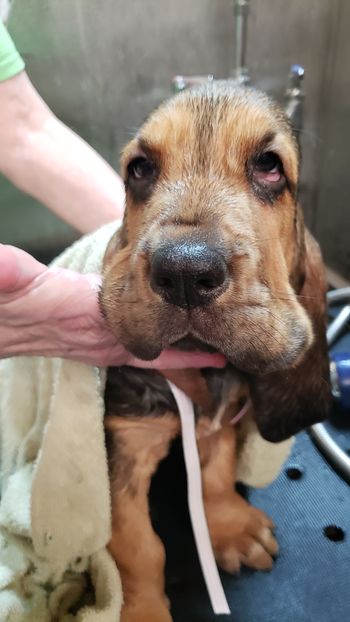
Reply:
x=195, y=503
x=242, y=412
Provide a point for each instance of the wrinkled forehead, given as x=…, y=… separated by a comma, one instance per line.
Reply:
x=208, y=125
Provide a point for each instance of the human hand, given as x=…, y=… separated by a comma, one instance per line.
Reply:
x=55, y=312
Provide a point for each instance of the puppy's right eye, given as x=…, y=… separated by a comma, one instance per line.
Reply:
x=141, y=168
x=142, y=173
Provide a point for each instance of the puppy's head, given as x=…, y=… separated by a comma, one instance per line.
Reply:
x=209, y=243
x=212, y=248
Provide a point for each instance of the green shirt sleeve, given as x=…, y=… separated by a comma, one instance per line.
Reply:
x=10, y=61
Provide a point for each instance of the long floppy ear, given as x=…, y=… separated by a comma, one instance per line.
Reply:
x=288, y=401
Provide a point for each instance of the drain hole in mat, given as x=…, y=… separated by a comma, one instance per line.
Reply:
x=294, y=472
x=334, y=533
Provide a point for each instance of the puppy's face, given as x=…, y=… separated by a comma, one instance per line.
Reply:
x=211, y=249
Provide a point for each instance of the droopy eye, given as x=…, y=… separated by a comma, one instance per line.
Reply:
x=268, y=168
x=141, y=168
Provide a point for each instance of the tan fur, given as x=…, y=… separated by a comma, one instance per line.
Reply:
x=269, y=321
x=137, y=550
x=239, y=532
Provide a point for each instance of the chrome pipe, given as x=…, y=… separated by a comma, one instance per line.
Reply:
x=338, y=324
x=294, y=97
x=240, y=71
x=337, y=458
x=335, y=455
x=338, y=295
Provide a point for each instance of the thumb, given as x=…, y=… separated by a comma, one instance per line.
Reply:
x=17, y=268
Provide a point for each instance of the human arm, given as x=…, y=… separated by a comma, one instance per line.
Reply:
x=45, y=159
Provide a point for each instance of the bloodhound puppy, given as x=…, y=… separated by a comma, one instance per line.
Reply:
x=212, y=255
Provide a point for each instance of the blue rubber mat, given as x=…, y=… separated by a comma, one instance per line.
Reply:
x=310, y=579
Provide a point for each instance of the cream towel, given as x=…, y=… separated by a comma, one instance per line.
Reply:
x=55, y=506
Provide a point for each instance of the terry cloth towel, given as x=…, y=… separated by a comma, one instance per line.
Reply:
x=55, y=502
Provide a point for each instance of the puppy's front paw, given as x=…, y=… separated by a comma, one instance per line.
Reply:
x=241, y=534
x=145, y=610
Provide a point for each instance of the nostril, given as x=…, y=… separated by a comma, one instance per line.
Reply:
x=206, y=283
x=211, y=279
x=165, y=282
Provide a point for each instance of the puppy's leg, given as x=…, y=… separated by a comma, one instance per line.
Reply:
x=135, y=447
x=239, y=532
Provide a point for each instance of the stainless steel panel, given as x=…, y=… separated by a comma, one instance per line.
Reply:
x=332, y=219
x=102, y=65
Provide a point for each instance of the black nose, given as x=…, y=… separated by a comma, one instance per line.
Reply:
x=188, y=274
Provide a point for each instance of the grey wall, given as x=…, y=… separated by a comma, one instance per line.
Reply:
x=332, y=200
x=315, y=33
x=102, y=65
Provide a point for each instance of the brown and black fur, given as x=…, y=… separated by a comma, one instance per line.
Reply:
x=202, y=182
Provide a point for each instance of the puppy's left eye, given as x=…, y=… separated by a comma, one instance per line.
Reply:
x=268, y=168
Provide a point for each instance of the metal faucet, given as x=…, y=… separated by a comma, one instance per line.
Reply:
x=240, y=71
x=294, y=97
x=180, y=83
